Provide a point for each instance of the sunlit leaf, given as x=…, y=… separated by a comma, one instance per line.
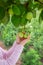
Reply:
x=29, y=16
x=16, y=10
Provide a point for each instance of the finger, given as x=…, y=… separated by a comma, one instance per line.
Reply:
x=24, y=41
x=28, y=37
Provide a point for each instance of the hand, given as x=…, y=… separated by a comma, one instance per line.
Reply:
x=22, y=41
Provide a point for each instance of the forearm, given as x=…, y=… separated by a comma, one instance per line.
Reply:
x=13, y=58
x=7, y=53
x=15, y=55
x=14, y=48
x=11, y=50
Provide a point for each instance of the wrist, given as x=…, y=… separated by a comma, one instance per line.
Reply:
x=17, y=42
x=21, y=44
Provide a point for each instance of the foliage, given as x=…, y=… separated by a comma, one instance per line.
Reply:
x=31, y=58
x=20, y=9
x=8, y=33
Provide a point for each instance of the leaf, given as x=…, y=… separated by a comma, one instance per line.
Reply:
x=16, y=10
x=22, y=9
x=17, y=1
x=18, y=21
x=41, y=15
x=15, y=20
x=2, y=12
x=23, y=21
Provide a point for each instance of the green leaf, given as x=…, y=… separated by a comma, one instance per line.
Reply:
x=2, y=12
x=41, y=15
x=16, y=10
x=22, y=9
x=18, y=21
x=23, y=21
x=15, y=20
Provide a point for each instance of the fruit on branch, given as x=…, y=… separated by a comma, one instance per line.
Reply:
x=10, y=12
x=29, y=16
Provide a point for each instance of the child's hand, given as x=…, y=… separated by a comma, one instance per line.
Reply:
x=25, y=40
x=22, y=40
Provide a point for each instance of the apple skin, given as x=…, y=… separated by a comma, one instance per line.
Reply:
x=22, y=36
x=21, y=39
